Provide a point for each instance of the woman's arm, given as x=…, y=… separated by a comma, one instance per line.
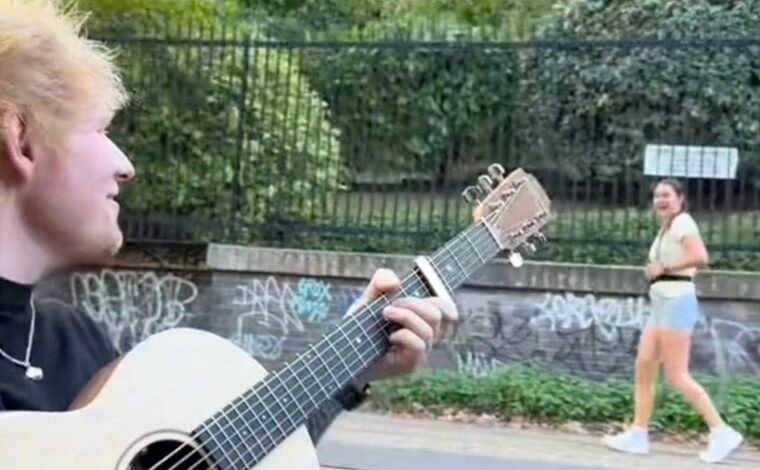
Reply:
x=695, y=255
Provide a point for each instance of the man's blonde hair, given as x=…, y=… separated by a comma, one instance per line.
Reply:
x=49, y=73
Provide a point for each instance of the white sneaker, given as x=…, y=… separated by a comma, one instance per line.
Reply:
x=634, y=441
x=723, y=441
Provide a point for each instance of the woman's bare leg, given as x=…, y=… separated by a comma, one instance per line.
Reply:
x=676, y=345
x=636, y=439
x=647, y=368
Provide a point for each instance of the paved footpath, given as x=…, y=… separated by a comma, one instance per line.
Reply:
x=366, y=441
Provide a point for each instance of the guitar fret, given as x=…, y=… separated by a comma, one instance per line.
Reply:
x=247, y=430
x=418, y=285
x=311, y=372
x=475, y=249
x=217, y=445
x=265, y=426
x=306, y=389
x=442, y=277
x=465, y=267
x=279, y=403
x=454, y=257
x=367, y=336
x=361, y=327
x=235, y=445
x=378, y=346
x=404, y=291
x=353, y=346
x=293, y=398
x=339, y=355
x=328, y=369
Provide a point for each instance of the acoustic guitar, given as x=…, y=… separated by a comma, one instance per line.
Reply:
x=185, y=399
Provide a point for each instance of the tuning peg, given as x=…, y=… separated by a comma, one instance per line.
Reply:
x=471, y=194
x=497, y=172
x=485, y=183
x=540, y=237
x=530, y=247
x=515, y=259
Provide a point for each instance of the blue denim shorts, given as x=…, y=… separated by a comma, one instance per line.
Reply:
x=675, y=313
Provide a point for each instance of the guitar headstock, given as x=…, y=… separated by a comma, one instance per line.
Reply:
x=515, y=208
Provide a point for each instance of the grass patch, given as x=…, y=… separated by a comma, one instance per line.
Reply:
x=533, y=394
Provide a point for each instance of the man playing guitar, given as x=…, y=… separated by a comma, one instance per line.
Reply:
x=60, y=175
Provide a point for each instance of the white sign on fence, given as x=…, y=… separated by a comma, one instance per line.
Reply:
x=691, y=161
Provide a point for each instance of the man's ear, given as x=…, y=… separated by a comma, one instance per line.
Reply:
x=17, y=162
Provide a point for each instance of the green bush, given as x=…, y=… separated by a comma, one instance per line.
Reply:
x=415, y=110
x=407, y=111
x=144, y=16
x=518, y=17
x=604, y=102
x=533, y=394
x=298, y=18
x=229, y=131
x=295, y=18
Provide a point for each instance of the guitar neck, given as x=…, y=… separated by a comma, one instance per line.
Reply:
x=259, y=420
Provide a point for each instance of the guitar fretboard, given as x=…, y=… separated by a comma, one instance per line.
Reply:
x=251, y=426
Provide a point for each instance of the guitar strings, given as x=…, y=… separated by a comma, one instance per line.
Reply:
x=310, y=390
x=274, y=418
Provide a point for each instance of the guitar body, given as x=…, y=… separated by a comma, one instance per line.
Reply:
x=149, y=404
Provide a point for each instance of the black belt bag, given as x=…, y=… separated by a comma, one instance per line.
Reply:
x=670, y=277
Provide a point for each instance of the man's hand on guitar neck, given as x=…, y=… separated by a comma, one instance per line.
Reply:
x=422, y=322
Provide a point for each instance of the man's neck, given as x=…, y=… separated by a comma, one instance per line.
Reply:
x=22, y=258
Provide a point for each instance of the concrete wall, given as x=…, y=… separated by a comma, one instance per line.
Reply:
x=273, y=303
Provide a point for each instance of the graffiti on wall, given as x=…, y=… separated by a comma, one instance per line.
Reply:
x=584, y=334
x=273, y=318
x=736, y=345
x=568, y=312
x=132, y=305
x=268, y=317
x=311, y=300
x=276, y=312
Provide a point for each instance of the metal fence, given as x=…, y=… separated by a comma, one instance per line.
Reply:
x=367, y=145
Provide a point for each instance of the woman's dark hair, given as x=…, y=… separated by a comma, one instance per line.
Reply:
x=677, y=187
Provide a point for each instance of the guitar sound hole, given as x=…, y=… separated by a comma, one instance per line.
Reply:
x=169, y=455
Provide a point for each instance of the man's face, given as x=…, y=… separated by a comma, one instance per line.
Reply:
x=69, y=202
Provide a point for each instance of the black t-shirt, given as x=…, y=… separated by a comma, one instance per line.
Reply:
x=68, y=346
x=70, y=349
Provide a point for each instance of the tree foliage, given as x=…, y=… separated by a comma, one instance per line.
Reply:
x=415, y=109
x=607, y=101
x=230, y=131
